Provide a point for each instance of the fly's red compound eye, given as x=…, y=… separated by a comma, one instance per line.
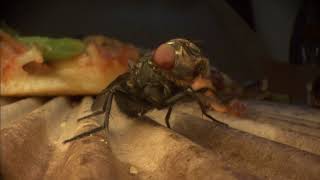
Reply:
x=164, y=56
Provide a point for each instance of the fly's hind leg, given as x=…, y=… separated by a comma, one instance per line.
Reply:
x=91, y=115
x=106, y=109
x=103, y=97
x=84, y=134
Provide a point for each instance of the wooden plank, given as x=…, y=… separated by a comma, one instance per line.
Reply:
x=141, y=149
x=294, y=113
x=291, y=125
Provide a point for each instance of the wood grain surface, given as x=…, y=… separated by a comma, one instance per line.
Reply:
x=272, y=141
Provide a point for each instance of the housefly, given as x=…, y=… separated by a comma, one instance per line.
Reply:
x=159, y=80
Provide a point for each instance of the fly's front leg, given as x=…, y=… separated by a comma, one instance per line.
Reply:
x=169, y=102
x=204, y=111
x=212, y=101
x=193, y=94
x=209, y=97
x=234, y=106
x=203, y=104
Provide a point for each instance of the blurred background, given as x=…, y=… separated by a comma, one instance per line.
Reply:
x=247, y=39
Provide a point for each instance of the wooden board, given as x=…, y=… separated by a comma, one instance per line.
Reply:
x=194, y=148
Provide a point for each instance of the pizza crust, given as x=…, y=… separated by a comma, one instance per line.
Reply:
x=86, y=74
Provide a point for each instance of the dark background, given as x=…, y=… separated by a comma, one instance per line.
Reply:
x=148, y=23
x=142, y=22
x=244, y=38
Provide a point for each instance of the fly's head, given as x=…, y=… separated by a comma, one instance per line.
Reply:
x=182, y=59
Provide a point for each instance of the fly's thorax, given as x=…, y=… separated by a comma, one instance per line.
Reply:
x=151, y=82
x=145, y=72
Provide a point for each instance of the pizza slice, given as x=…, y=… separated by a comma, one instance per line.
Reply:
x=28, y=68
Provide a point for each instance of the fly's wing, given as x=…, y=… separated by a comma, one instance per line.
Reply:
x=102, y=97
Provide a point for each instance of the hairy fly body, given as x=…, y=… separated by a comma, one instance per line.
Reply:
x=158, y=80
